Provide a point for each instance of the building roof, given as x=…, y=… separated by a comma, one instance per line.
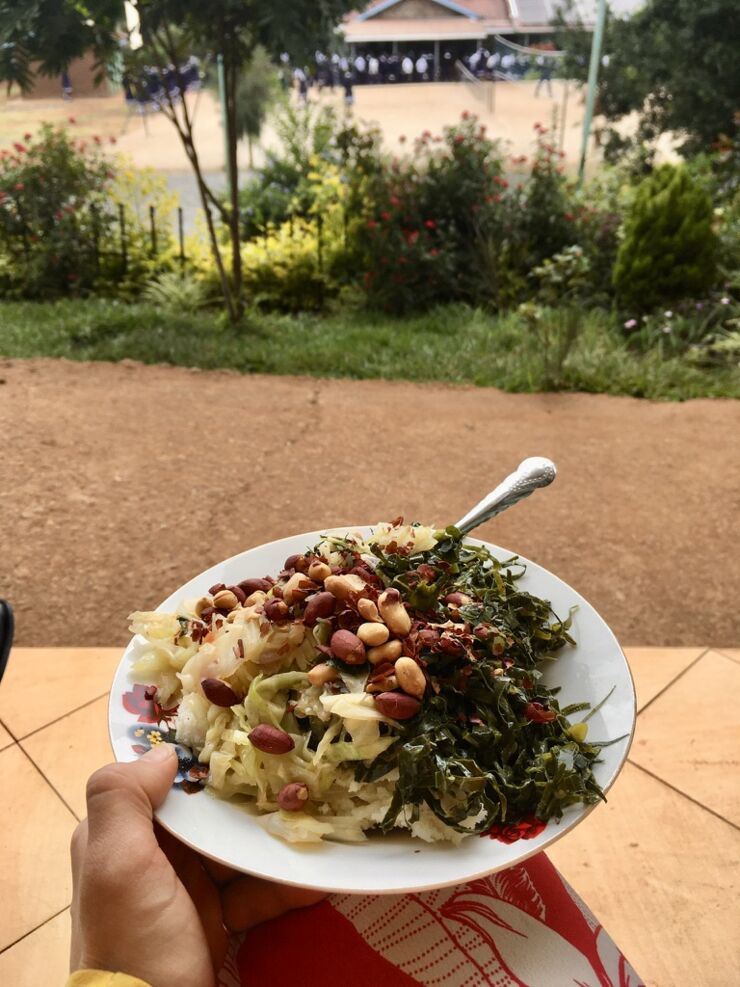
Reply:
x=467, y=19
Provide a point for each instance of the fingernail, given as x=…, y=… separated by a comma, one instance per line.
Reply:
x=161, y=752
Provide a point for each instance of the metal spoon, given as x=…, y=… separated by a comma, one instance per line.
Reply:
x=529, y=474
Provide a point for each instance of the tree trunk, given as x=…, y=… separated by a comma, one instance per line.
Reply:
x=231, y=73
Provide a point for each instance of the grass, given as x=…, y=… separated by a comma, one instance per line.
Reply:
x=453, y=344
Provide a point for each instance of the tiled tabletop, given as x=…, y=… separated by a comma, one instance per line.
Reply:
x=659, y=864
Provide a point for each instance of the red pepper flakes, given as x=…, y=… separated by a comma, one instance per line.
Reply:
x=536, y=713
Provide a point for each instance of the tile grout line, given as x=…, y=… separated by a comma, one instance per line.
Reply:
x=673, y=681
x=678, y=791
x=34, y=929
x=725, y=655
x=89, y=702
x=51, y=786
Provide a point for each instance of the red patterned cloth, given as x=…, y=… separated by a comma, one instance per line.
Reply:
x=523, y=927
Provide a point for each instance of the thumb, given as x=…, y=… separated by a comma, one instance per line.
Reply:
x=122, y=797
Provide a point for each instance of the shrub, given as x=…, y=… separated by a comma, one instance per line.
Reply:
x=55, y=216
x=62, y=203
x=669, y=248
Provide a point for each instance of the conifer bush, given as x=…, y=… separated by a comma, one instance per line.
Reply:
x=669, y=249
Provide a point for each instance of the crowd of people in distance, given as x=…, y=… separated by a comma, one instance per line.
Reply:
x=329, y=71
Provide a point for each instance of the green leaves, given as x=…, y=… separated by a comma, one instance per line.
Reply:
x=491, y=744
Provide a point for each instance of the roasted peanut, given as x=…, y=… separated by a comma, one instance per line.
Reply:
x=348, y=647
x=410, y=677
x=344, y=586
x=203, y=602
x=259, y=596
x=297, y=562
x=397, y=705
x=293, y=797
x=321, y=674
x=297, y=588
x=393, y=612
x=276, y=610
x=238, y=593
x=389, y=651
x=368, y=611
x=373, y=634
x=225, y=600
x=271, y=740
x=319, y=571
x=216, y=588
x=253, y=585
x=219, y=693
x=318, y=605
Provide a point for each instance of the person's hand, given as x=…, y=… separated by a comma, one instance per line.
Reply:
x=144, y=903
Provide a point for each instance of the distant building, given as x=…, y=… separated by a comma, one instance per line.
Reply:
x=461, y=26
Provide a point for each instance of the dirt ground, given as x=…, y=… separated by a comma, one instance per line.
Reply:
x=398, y=110
x=119, y=482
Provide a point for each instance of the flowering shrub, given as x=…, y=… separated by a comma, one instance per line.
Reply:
x=53, y=214
x=61, y=204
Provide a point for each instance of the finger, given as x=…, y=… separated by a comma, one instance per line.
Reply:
x=78, y=848
x=250, y=900
x=120, y=797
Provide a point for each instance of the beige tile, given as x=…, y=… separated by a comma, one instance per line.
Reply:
x=655, y=668
x=68, y=751
x=42, y=684
x=733, y=653
x=5, y=739
x=690, y=735
x=41, y=958
x=35, y=830
x=663, y=876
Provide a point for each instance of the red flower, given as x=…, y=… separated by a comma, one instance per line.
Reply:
x=465, y=115
x=395, y=201
x=433, y=252
x=498, y=198
x=112, y=139
x=459, y=138
x=426, y=135
x=536, y=713
x=385, y=215
x=71, y=120
x=402, y=260
x=2, y=195
x=430, y=224
x=96, y=138
x=19, y=186
x=501, y=182
x=58, y=214
x=27, y=137
x=371, y=224
x=402, y=139
x=569, y=217
x=20, y=148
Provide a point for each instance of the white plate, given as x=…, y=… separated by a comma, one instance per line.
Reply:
x=390, y=864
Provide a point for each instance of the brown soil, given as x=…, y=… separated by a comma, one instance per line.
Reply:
x=119, y=482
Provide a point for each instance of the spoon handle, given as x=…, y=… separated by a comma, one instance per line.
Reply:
x=530, y=474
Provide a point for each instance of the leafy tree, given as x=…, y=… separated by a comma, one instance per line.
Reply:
x=669, y=250
x=674, y=62
x=257, y=89
x=54, y=32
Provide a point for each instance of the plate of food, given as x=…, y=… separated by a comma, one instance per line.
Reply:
x=377, y=709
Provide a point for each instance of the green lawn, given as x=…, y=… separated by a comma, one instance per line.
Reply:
x=454, y=344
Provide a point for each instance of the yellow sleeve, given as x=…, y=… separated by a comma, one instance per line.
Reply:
x=103, y=978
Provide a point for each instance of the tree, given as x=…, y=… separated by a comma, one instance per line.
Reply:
x=669, y=248
x=257, y=89
x=674, y=62
x=54, y=32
